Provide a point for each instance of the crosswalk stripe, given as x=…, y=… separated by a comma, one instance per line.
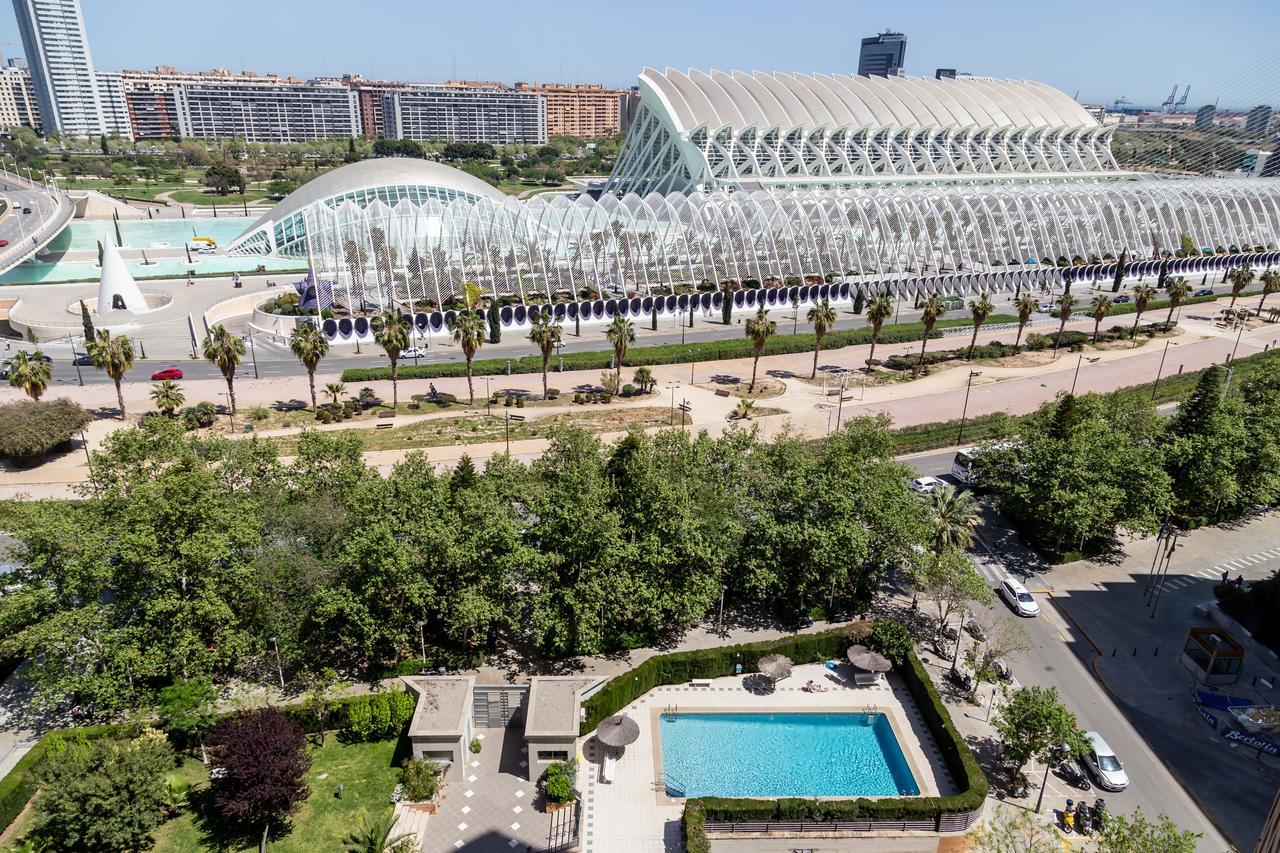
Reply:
x=1205, y=573
x=1255, y=560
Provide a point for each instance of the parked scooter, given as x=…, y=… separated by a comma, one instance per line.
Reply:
x=1068, y=815
x=1083, y=818
x=1073, y=774
x=1099, y=813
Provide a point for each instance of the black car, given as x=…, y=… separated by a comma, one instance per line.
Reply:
x=26, y=210
x=1204, y=291
x=83, y=359
x=1120, y=299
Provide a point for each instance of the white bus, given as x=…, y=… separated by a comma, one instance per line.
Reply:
x=962, y=466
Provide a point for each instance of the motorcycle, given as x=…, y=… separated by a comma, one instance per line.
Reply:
x=1099, y=813
x=1083, y=822
x=1073, y=774
x=1068, y=816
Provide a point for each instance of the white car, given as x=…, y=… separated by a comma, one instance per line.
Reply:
x=925, y=485
x=1104, y=765
x=413, y=352
x=1022, y=602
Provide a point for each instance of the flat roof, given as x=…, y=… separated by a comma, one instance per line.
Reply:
x=553, y=705
x=444, y=703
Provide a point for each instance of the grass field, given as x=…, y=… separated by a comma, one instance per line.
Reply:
x=207, y=199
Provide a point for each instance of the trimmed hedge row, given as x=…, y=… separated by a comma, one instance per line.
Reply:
x=666, y=353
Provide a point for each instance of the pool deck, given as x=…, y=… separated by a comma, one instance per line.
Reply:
x=634, y=814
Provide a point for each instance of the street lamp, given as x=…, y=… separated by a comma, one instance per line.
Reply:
x=1080, y=361
x=964, y=411
x=422, y=638
x=720, y=619
x=253, y=352
x=279, y=667
x=673, y=385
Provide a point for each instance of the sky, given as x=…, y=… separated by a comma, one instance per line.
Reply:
x=1104, y=50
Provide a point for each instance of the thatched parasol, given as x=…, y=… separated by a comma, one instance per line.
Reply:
x=865, y=659
x=618, y=731
x=775, y=667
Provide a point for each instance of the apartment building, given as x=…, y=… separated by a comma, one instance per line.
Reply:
x=18, y=107
x=463, y=111
x=580, y=109
x=152, y=104
x=266, y=112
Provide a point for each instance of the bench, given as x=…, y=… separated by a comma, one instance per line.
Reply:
x=383, y=426
x=720, y=392
x=700, y=682
x=386, y=414
x=866, y=679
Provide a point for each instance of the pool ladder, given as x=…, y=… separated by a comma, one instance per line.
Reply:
x=670, y=712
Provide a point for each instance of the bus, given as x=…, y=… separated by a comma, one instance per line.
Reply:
x=962, y=468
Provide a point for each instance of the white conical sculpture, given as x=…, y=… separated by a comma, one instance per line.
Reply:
x=118, y=293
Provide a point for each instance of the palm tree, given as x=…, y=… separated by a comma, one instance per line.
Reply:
x=168, y=397
x=377, y=835
x=759, y=329
x=1027, y=304
x=932, y=310
x=225, y=350
x=643, y=377
x=1240, y=278
x=1142, y=296
x=980, y=309
x=30, y=372
x=1270, y=284
x=468, y=331
x=310, y=345
x=544, y=334
x=879, y=309
x=393, y=337
x=334, y=390
x=115, y=356
x=823, y=317
x=1100, y=307
x=955, y=518
x=1179, y=289
x=621, y=334
x=1066, y=302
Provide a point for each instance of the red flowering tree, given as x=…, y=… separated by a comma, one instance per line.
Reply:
x=260, y=765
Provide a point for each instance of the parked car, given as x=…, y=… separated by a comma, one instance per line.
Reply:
x=83, y=359
x=413, y=352
x=1122, y=299
x=167, y=373
x=1103, y=764
x=3, y=243
x=26, y=210
x=1204, y=291
x=1022, y=602
x=925, y=485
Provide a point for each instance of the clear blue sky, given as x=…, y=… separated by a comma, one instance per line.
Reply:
x=1136, y=48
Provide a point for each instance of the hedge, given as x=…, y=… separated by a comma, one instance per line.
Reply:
x=667, y=353
x=19, y=785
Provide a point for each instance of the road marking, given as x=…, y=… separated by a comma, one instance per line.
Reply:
x=1247, y=561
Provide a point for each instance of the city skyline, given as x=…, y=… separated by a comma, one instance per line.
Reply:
x=940, y=36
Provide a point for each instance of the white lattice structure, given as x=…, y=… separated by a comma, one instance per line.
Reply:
x=707, y=131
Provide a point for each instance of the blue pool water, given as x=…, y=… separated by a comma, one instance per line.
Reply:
x=84, y=235
x=783, y=755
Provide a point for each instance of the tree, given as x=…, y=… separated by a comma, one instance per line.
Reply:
x=1138, y=834
x=102, y=144
x=1034, y=724
x=1015, y=831
x=1026, y=305
x=87, y=323
x=879, y=309
x=31, y=428
x=1066, y=302
x=1101, y=307
x=759, y=329
x=393, y=337
x=620, y=334
x=1207, y=450
x=334, y=390
x=468, y=331
x=495, y=322
x=1270, y=284
x=187, y=710
x=954, y=518
x=222, y=178
x=378, y=835
x=263, y=761
x=545, y=334
x=726, y=306
x=168, y=397
x=1142, y=296
x=980, y=309
x=224, y=350
x=1179, y=289
x=114, y=355
x=932, y=310
x=106, y=795
x=948, y=580
x=1240, y=278
x=823, y=318
x=643, y=379
x=1120, y=266
x=30, y=372
x=310, y=345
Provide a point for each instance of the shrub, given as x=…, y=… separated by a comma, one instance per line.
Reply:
x=519, y=402
x=558, y=789
x=380, y=712
x=891, y=639
x=552, y=393
x=359, y=719
x=200, y=416
x=324, y=416
x=475, y=746
x=444, y=400
x=402, y=704
x=31, y=428
x=366, y=398
x=695, y=836
x=257, y=413
x=1037, y=341
x=628, y=390
x=577, y=397
x=421, y=780
x=508, y=400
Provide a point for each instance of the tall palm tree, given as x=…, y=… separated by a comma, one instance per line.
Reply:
x=879, y=309
x=544, y=334
x=1142, y=296
x=1270, y=284
x=955, y=518
x=1100, y=307
x=30, y=372
x=823, y=317
x=334, y=390
x=1027, y=304
x=1066, y=302
x=225, y=350
x=115, y=356
x=393, y=337
x=377, y=835
x=932, y=310
x=759, y=329
x=310, y=345
x=168, y=397
x=1179, y=289
x=621, y=334
x=980, y=309
x=1240, y=278
x=469, y=331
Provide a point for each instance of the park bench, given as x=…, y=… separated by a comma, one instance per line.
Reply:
x=700, y=682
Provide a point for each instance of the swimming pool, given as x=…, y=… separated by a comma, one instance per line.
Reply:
x=783, y=755
x=83, y=235
x=63, y=272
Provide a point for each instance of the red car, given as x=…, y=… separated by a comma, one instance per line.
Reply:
x=167, y=373
x=3, y=243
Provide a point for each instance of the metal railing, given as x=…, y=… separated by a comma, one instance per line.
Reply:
x=942, y=823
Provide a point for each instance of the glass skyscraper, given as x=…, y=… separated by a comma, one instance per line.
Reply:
x=67, y=90
x=883, y=55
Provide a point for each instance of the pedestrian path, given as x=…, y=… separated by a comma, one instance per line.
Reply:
x=1231, y=567
x=989, y=566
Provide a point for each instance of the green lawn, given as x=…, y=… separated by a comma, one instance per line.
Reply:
x=367, y=771
x=200, y=197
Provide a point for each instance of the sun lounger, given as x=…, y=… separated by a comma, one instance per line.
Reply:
x=606, y=771
x=834, y=675
x=866, y=679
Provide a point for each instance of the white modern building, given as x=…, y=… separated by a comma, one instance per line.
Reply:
x=465, y=113
x=57, y=50
x=111, y=100
x=18, y=107
x=266, y=112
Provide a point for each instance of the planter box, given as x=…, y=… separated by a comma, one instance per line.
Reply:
x=552, y=808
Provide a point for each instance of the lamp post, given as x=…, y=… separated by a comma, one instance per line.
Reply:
x=422, y=639
x=964, y=411
x=1049, y=761
x=279, y=666
x=510, y=418
x=488, y=397
x=673, y=386
x=844, y=381
x=1160, y=369
x=720, y=619
x=253, y=352
x=1079, y=361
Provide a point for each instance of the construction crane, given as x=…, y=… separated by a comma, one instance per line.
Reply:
x=1167, y=106
x=1181, y=106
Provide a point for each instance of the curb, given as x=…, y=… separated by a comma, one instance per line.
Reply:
x=1115, y=698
